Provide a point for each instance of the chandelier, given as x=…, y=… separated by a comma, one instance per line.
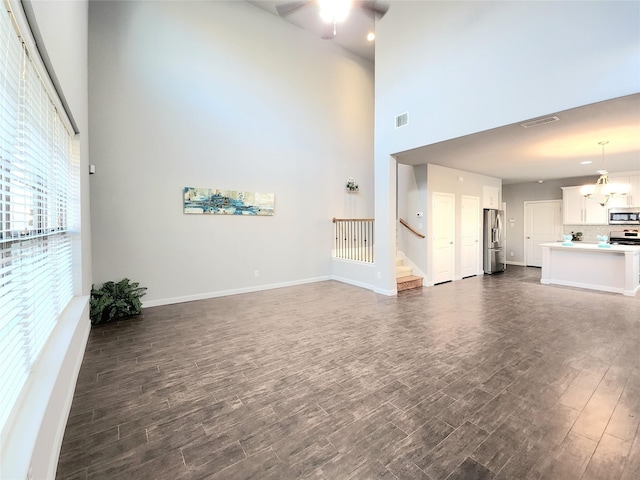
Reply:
x=603, y=189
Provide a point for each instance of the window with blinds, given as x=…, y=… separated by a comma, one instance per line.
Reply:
x=38, y=172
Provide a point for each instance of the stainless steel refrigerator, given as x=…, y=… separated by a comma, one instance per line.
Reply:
x=494, y=257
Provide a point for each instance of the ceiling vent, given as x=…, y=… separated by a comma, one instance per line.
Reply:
x=539, y=121
x=402, y=119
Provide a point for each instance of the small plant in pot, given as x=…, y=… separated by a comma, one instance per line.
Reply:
x=115, y=300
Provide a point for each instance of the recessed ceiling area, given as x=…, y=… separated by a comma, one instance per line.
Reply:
x=550, y=150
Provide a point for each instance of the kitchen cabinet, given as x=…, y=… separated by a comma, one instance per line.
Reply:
x=630, y=200
x=490, y=197
x=578, y=210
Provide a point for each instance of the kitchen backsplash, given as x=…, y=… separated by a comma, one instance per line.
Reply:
x=590, y=232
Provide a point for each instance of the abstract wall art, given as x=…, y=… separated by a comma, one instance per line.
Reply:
x=227, y=202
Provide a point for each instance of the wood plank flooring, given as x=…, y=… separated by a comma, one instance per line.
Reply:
x=494, y=377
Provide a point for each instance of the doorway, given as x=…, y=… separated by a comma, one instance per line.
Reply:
x=470, y=235
x=542, y=224
x=443, y=225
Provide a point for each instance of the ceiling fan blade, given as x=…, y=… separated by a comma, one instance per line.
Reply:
x=374, y=9
x=288, y=8
x=329, y=32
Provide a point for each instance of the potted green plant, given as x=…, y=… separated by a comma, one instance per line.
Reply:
x=115, y=300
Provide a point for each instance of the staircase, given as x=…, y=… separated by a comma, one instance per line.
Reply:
x=404, y=276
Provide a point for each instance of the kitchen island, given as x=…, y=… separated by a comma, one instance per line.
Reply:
x=614, y=269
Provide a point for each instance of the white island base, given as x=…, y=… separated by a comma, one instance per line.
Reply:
x=615, y=269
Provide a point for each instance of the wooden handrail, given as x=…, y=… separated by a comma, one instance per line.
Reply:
x=353, y=219
x=415, y=232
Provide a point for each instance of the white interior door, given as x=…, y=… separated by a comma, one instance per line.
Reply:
x=470, y=235
x=443, y=226
x=543, y=223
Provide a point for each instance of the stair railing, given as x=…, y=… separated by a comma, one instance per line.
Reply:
x=411, y=229
x=353, y=239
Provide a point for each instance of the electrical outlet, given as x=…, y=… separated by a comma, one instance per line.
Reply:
x=419, y=226
x=379, y=275
x=511, y=254
x=256, y=273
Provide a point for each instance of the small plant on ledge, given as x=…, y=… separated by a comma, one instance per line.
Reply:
x=114, y=301
x=352, y=186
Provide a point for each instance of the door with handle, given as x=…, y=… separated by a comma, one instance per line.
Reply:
x=543, y=223
x=470, y=226
x=443, y=227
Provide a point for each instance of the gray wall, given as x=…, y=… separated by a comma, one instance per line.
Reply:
x=220, y=95
x=516, y=194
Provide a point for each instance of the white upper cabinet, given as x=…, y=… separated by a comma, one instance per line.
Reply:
x=578, y=210
x=490, y=197
x=630, y=200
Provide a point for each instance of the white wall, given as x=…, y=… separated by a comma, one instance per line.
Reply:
x=33, y=443
x=220, y=95
x=462, y=67
x=516, y=194
x=447, y=180
x=412, y=198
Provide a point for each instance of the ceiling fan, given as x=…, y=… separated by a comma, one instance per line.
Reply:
x=333, y=12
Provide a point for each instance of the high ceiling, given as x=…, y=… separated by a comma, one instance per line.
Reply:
x=516, y=154
x=351, y=34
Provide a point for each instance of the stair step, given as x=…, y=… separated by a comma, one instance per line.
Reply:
x=399, y=261
x=406, y=283
x=403, y=271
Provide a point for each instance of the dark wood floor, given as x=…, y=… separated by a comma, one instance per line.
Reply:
x=494, y=377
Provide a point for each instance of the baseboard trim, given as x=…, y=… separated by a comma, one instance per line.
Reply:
x=355, y=283
x=227, y=293
x=518, y=264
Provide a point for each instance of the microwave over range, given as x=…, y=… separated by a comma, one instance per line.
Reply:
x=624, y=216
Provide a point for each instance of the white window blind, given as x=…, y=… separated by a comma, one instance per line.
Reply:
x=38, y=174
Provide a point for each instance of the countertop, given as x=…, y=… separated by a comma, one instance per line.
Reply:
x=593, y=247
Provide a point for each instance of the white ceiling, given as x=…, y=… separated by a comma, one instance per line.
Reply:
x=351, y=34
x=513, y=153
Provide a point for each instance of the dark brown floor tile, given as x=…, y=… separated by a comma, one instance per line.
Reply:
x=259, y=466
x=527, y=463
x=371, y=468
x=632, y=465
x=496, y=411
x=362, y=386
x=471, y=470
x=608, y=460
x=203, y=462
x=498, y=448
x=464, y=408
x=405, y=469
x=451, y=452
x=417, y=445
x=428, y=408
x=571, y=458
x=163, y=463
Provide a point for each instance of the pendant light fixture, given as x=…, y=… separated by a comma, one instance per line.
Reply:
x=603, y=189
